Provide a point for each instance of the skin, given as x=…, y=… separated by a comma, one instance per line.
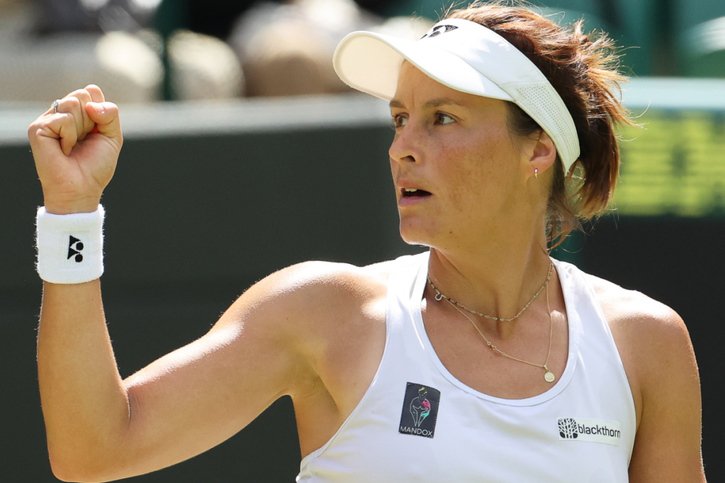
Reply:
x=316, y=331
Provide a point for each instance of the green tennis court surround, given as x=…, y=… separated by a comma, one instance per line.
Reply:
x=673, y=165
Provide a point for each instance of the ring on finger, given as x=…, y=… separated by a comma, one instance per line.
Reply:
x=54, y=106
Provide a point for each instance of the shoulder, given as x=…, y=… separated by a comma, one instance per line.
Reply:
x=644, y=326
x=638, y=315
x=313, y=282
x=311, y=298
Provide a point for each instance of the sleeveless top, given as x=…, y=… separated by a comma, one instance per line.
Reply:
x=418, y=423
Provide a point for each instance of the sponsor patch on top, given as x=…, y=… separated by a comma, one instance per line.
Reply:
x=592, y=430
x=420, y=410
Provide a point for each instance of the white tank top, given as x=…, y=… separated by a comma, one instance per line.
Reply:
x=418, y=423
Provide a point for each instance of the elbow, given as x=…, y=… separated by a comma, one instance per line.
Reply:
x=85, y=456
x=67, y=473
x=70, y=472
x=78, y=470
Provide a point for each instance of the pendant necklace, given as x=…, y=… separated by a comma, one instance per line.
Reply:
x=549, y=376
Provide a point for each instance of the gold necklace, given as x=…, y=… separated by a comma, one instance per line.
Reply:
x=549, y=376
x=441, y=296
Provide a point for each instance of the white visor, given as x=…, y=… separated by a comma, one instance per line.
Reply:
x=464, y=56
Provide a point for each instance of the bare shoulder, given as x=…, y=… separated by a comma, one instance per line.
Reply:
x=321, y=286
x=639, y=316
x=658, y=357
x=648, y=333
x=309, y=294
x=313, y=307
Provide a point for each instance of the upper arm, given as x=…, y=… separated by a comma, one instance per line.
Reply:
x=206, y=391
x=663, y=367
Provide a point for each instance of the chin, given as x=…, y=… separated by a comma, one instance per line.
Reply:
x=415, y=234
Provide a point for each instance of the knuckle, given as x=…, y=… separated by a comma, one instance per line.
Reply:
x=73, y=102
x=36, y=126
x=78, y=93
x=94, y=93
x=92, y=88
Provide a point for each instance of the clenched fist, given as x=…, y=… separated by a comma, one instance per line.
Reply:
x=75, y=145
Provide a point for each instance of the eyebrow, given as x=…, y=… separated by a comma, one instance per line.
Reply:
x=441, y=101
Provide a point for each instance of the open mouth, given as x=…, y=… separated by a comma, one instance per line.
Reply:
x=413, y=193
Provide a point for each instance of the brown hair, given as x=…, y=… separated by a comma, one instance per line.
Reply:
x=584, y=71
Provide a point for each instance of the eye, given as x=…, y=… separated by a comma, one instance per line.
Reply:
x=399, y=120
x=443, y=118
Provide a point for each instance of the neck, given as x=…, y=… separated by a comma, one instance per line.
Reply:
x=497, y=276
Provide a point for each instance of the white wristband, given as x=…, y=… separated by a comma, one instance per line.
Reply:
x=70, y=247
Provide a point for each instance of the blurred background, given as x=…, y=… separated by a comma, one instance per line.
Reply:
x=244, y=154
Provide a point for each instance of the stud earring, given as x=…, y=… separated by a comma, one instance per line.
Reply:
x=536, y=173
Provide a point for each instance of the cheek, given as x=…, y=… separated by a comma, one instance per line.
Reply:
x=466, y=183
x=484, y=172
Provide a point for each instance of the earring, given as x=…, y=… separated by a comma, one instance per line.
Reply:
x=536, y=173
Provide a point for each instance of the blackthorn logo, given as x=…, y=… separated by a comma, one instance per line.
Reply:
x=595, y=430
x=567, y=428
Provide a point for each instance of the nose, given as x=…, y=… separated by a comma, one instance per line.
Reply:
x=404, y=147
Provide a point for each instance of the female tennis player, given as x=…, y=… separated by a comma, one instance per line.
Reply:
x=480, y=359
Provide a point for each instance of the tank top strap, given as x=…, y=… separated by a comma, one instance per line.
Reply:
x=405, y=290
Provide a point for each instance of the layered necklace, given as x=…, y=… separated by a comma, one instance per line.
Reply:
x=549, y=376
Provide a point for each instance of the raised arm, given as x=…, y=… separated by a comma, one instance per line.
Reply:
x=75, y=145
x=100, y=427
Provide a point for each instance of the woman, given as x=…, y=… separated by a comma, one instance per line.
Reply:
x=482, y=359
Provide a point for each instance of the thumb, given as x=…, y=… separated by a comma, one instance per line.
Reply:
x=106, y=117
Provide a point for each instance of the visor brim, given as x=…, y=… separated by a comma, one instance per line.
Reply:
x=370, y=62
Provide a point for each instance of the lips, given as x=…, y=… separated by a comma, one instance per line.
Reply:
x=413, y=193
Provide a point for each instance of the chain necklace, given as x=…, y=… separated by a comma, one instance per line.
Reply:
x=441, y=296
x=549, y=376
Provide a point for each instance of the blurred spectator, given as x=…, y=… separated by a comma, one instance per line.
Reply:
x=40, y=63
x=286, y=49
x=202, y=67
x=50, y=47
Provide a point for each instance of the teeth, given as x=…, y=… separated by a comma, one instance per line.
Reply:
x=410, y=190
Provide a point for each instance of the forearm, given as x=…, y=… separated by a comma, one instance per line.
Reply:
x=85, y=405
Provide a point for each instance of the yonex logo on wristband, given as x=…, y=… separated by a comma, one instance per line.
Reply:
x=75, y=247
x=70, y=247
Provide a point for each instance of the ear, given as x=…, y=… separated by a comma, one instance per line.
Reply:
x=543, y=155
